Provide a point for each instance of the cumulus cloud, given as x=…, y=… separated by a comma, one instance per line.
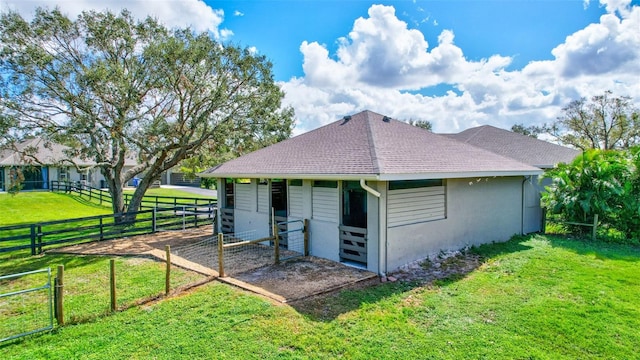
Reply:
x=382, y=64
x=173, y=13
x=382, y=51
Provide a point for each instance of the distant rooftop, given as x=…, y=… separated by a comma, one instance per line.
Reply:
x=526, y=149
x=46, y=153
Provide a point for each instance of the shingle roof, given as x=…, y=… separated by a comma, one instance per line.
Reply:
x=46, y=153
x=371, y=146
x=523, y=148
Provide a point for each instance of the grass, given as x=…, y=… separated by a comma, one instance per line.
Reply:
x=37, y=206
x=170, y=192
x=86, y=287
x=30, y=207
x=539, y=297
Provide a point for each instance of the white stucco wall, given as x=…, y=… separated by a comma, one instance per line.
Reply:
x=478, y=211
x=532, y=209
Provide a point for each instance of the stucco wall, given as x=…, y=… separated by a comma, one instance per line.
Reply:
x=478, y=211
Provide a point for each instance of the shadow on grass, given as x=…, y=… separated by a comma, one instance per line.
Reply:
x=599, y=249
x=95, y=203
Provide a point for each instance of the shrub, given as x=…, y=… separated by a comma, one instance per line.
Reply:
x=600, y=182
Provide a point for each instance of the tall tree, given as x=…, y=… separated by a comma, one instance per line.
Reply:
x=605, y=122
x=424, y=124
x=531, y=130
x=114, y=88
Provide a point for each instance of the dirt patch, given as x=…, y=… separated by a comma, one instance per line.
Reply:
x=139, y=244
x=304, y=277
x=445, y=266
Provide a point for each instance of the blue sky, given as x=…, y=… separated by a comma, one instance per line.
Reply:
x=455, y=63
x=526, y=30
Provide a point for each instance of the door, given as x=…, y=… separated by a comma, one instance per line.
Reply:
x=279, y=204
x=353, y=228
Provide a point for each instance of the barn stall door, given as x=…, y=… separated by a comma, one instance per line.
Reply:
x=353, y=230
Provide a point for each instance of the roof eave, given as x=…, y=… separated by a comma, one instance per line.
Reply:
x=377, y=177
x=369, y=177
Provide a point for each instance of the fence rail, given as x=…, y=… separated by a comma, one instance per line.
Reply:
x=547, y=218
x=27, y=322
x=38, y=236
x=148, y=201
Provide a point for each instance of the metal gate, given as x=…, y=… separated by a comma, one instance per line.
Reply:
x=26, y=311
x=292, y=236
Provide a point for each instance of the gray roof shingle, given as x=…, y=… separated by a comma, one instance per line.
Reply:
x=523, y=148
x=45, y=153
x=370, y=146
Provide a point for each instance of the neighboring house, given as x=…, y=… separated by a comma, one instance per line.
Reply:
x=174, y=176
x=378, y=193
x=45, y=165
x=528, y=150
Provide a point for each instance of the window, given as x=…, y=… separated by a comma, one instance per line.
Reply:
x=325, y=184
x=63, y=174
x=416, y=201
x=414, y=184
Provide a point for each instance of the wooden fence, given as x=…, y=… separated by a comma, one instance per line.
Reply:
x=547, y=219
x=148, y=201
x=39, y=236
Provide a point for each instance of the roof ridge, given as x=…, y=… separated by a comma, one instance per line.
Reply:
x=375, y=162
x=478, y=131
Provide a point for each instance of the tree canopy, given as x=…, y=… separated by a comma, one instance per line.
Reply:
x=424, y=124
x=531, y=130
x=115, y=88
x=604, y=122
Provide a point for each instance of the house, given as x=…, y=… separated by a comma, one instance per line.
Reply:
x=46, y=165
x=528, y=150
x=378, y=193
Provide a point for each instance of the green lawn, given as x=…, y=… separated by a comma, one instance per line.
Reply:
x=30, y=207
x=170, y=192
x=533, y=298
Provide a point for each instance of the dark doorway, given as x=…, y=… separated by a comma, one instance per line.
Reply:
x=279, y=197
x=354, y=205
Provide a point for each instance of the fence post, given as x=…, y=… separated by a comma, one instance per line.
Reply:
x=33, y=239
x=153, y=219
x=595, y=227
x=39, y=239
x=101, y=230
x=215, y=220
x=59, y=295
x=543, y=226
x=184, y=215
x=221, y=255
x=167, y=280
x=112, y=283
x=305, y=230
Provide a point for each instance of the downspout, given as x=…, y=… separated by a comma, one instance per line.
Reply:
x=368, y=189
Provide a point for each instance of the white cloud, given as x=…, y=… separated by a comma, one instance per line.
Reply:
x=381, y=62
x=173, y=13
x=238, y=13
